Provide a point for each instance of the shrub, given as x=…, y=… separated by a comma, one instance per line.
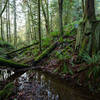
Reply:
x=71, y=29
x=94, y=61
x=46, y=41
x=55, y=33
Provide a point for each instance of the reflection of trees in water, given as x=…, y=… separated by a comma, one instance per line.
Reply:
x=47, y=87
x=5, y=73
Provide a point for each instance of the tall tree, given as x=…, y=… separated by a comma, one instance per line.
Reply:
x=15, y=24
x=46, y=14
x=9, y=21
x=2, y=34
x=83, y=6
x=7, y=29
x=60, y=2
x=3, y=7
x=39, y=23
x=47, y=7
x=89, y=10
x=88, y=36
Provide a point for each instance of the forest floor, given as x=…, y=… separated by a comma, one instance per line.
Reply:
x=62, y=62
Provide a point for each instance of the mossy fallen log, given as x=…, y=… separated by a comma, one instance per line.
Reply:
x=9, y=53
x=45, y=53
x=9, y=63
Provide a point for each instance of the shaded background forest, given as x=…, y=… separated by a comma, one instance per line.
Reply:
x=19, y=22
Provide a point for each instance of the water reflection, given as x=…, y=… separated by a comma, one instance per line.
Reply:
x=5, y=73
x=37, y=86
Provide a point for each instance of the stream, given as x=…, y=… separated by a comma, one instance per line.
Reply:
x=36, y=85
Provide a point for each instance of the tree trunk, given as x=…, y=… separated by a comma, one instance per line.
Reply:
x=60, y=2
x=89, y=10
x=39, y=23
x=3, y=7
x=2, y=34
x=15, y=24
x=83, y=7
x=51, y=29
x=88, y=36
x=9, y=22
x=47, y=7
x=46, y=16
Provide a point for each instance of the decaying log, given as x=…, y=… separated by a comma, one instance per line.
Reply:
x=9, y=53
x=9, y=63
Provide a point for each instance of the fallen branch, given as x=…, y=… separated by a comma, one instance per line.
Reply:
x=22, y=48
x=45, y=53
x=11, y=64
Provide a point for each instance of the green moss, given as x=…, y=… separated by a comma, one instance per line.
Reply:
x=5, y=44
x=11, y=64
x=88, y=37
x=4, y=48
x=45, y=52
x=46, y=41
x=55, y=33
x=7, y=91
x=83, y=46
x=61, y=39
x=80, y=35
x=71, y=29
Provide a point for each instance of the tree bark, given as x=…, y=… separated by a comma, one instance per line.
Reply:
x=60, y=2
x=15, y=24
x=83, y=7
x=88, y=35
x=2, y=34
x=39, y=23
x=46, y=16
x=89, y=10
x=4, y=8
x=7, y=30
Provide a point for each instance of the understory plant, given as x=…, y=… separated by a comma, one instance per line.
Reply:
x=46, y=41
x=5, y=48
x=94, y=64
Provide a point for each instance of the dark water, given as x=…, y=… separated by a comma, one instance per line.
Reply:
x=40, y=86
x=5, y=73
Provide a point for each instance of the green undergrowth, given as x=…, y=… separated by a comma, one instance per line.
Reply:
x=4, y=48
x=71, y=29
x=93, y=73
x=66, y=69
x=45, y=52
x=46, y=42
x=94, y=61
x=7, y=91
x=63, y=54
x=55, y=33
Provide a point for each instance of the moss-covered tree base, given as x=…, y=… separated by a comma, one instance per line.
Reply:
x=88, y=37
